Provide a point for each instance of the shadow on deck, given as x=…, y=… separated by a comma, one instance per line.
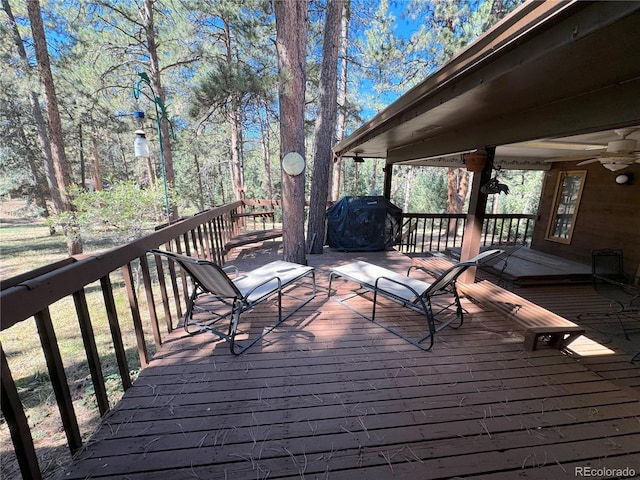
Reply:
x=330, y=395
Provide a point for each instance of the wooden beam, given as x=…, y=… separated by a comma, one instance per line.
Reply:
x=475, y=216
x=388, y=169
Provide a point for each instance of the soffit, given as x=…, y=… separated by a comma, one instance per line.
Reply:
x=551, y=71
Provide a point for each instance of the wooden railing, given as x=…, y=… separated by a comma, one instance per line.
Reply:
x=162, y=288
x=32, y=295
x=426, y=232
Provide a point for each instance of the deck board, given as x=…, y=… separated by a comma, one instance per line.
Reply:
x=330, y=395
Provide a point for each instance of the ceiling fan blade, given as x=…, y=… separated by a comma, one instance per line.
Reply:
x=573, y=158
x=557, y=145
x=586, y=162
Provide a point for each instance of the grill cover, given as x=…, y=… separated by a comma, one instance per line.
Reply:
x=363, y=224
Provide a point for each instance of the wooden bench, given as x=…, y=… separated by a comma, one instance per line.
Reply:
x=256, y=214
x=434, y=266
x=252, y=237
x=537, y=321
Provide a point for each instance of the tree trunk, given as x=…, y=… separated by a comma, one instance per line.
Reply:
x=266, y=150
x=61, y=165
x=156, y=83
x=97, y=175
x=356, y=174
x=40, y=193
x=457, y=188
x=199, y=176
x=407, y=192
x=235, y=124
x=237, y=169
x=291, y=39
x=342, y=98
x=41, y=126
x=325, y=128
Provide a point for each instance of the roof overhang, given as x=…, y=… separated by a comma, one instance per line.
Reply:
x=548, y=71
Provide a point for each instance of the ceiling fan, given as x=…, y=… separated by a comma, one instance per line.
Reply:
x=619, y=153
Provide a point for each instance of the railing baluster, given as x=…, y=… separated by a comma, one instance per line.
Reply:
x=18, y=424
x=206, y=235
x=433, y=238
x=151, y=304
x=163, y=294
x=93, y=359
x=135, y=313
x=185, y=239
x=116, y=334
x=525, y=238
x=222, y=236
x=58, y=379
x=511, y=229
x=494, y=229
x=183, y=276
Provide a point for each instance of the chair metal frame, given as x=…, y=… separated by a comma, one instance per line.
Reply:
x=239, y=294
x=608, y=280
x=410, y=292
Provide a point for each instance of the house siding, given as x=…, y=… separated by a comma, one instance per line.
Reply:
x=608, y=216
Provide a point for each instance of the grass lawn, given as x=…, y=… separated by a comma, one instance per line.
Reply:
x=25, y=245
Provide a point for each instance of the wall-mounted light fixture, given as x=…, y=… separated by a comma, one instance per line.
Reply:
x=624, y=179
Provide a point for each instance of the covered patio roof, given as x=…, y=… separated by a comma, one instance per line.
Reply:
x=553, y=79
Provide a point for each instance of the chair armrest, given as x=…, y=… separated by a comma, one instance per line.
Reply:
x=231, y=268
x=610, y=281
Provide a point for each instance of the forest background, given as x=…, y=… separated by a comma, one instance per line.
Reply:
x=207, y=72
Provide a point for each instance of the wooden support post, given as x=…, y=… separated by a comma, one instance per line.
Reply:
x=388, y=168
x=475, y=216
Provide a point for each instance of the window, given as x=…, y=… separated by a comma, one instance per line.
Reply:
x=565, y=205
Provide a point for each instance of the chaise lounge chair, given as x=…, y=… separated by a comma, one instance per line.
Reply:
x=212, y=283
x=408, y=291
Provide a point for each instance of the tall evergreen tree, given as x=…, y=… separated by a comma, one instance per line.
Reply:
x=324, y=134
x=61, y=165
x=341, y=97
x=41, y=128
x=291, y=42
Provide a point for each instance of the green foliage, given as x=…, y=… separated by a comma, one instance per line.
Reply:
x=525, y=187
x=429, y=192
x=215, y=58
x=121, y=213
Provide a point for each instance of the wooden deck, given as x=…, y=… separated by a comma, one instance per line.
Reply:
x=330, y=395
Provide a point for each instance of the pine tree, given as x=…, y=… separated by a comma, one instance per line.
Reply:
x=291, y=40
x=61, y=165
x=325, y=127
